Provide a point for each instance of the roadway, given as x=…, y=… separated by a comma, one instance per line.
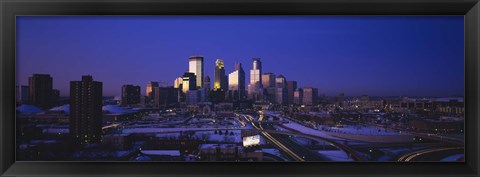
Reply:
x=436, y=154
x=293, y=150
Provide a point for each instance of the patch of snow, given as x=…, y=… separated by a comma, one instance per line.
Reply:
x=29, y=109
x=64, y=108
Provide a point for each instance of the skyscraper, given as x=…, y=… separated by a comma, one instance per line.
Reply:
x=131, y=94
x=268, y=80
x=195, y=66
x=310, y=95
x=178, y=82
x=236, y=83
x=41, y=89
x=86, y=110
x=298, y=96
x=207, y=87
x=281, y=91
x=165, y=96
x=149, y=88
x=291, y=87
x=206, y=83
x=220, y=79
x=189, y=82
x=255, y=86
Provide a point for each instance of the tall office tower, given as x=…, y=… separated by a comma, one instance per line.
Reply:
x=298, y=96
x=280, y=82
x=195, y=66
x=40, y=89
x=131, y=94
x=220, y=79
x=165, y=97
x=149, y=88
x=55, y=97
x=86, y=110
x=340, y=99
x=268, y=80
x=281, y=92
x=291, y=87
x=255, y=87
x=310, y=95
x=206, y=83
x=178, y=82
x=236, y=83
x=207, y=87
x=189, y=82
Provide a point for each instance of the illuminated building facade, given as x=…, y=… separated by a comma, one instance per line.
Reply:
x=220, y=79
x=189, y=82
x=255, y=87
x=177, y=83
x=149, y=88
x=281, y=91
x=195, y=66
x=236, y=83
x=268, y=80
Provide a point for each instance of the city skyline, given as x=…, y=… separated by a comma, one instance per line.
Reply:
x=426, y=69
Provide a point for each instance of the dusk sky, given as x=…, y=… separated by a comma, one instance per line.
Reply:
x=373, y=55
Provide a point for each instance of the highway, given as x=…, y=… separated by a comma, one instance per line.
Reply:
x=292, y=149
x=436, y=154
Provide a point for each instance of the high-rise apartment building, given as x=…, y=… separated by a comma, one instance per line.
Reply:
x=86, y=110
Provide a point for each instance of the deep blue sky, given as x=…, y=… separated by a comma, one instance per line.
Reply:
x=374, y=55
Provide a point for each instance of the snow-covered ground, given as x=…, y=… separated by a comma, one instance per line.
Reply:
x=305, y=141
x=309, y=131
x=159, y=130
x=335, y=155
x=359, y=130
x=211, y=136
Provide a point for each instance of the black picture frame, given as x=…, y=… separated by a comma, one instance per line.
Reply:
x=12, y=8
